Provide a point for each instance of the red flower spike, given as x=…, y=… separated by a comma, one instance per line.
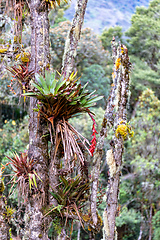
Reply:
x=94, y=132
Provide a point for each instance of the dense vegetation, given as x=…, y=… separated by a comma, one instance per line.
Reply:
x=139, y=210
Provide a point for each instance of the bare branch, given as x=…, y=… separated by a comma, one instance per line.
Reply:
x=73, y=38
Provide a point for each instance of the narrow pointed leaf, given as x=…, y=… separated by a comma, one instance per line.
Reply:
x=34, y=180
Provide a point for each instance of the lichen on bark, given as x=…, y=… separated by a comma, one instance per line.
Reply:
x=35, y=226
x=73, y=38
x=4, y=227
x=116, y=112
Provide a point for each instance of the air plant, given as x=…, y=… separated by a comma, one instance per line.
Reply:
x=22, y=75
x=62, y=97
x=59, y=100
x=71, y=195
x=25, y=175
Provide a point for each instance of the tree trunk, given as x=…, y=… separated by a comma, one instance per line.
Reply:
x=116, y=101
x=114, y=155
x=150, y=222
x=36, y=227
x=67, y=68
x=141, y=231
x=70, y=49
x=4, y=228
x=78, y=230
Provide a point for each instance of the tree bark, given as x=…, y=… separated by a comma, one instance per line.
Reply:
x=78, y=230
x=150, y=222
x=108, y=122
x=114, y=155
x=36, y=227
x=70, y=49
x=4, y=228
x=114, y=114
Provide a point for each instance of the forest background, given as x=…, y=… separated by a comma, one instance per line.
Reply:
x=139, y=214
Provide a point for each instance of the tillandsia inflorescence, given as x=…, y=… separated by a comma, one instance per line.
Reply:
x=94, y=132
x=59, y=100
x=25, y=175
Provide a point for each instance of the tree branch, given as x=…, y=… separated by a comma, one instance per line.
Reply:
x=73, y=37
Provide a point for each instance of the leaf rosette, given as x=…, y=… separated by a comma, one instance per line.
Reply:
x=59, y=99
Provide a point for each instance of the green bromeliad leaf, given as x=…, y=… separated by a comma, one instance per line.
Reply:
x=67, y=95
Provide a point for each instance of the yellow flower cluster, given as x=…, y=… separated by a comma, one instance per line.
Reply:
x=124, y=130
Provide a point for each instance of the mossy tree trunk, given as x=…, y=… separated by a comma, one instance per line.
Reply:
x=73, y=37
x=120, y=92
x=4, y=228
x=115, y=114
x=46, y=167
x=35, y=226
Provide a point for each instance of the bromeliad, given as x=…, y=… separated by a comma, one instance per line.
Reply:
x=25, y=175
x=22, y=76
x=59, y=100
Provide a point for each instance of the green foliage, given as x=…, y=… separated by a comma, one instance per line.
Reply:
x=55, y=227
x=144, y=33
x=146, y=125
x=71, y=195
x=89, y=50
x=142, y=77
x=125, y=191
x=56, y=15
x=140, y=186
x=131, y=220
x=95, y=75
x=108, y=34
x=13, y=136
x=156, y=226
